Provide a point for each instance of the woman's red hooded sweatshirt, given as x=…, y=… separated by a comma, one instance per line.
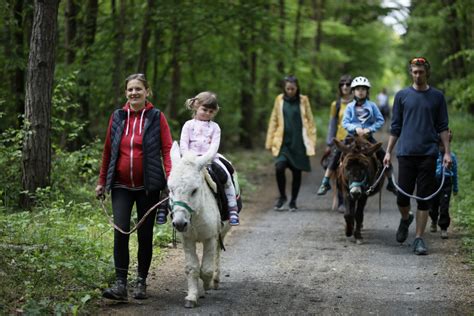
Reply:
x=129, y=170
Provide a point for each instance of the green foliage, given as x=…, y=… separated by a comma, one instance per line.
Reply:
x=10, y=158
x=462, y=207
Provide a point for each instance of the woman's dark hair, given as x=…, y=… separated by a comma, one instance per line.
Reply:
x=345, y=79
x=141, y=78
x=291, y=79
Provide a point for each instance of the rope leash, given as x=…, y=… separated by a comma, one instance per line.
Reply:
x=372, y=187
x=111, y=221
x=417, y=197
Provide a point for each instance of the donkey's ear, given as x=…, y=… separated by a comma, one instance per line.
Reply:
x=369, y=151
x=205, y=159
x=175, y=153
x=341, y=146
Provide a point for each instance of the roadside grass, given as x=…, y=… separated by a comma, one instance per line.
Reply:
x=462, y=205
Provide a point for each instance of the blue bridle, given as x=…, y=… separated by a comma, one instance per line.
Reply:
x=358, y=183
x=182, y=204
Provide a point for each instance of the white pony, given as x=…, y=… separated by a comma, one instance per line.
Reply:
x=196, y=217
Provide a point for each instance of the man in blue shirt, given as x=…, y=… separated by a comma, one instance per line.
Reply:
x=419, y=115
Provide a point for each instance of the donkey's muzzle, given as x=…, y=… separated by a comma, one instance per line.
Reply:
x=180, y=225
x=356, y=192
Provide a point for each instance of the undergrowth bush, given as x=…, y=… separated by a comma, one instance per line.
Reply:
x=462, y=205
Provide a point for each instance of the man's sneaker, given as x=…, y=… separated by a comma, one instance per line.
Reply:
x=234, y=218
x=391, y=187
x=444, y=234
x=419, y=247
x=161, y=216
x=402, y=232
x=293, y=206
x=324, y=188
x=117, y=292
x=279, y=203
x=433, y=227
x=140, y=289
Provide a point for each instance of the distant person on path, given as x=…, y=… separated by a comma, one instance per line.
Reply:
x=136, y=149
x=382, y=103
x=363, y=118
x=439, y=211
x=201, y=135
x=335, y=128
x=291, y=137
x=419, y=115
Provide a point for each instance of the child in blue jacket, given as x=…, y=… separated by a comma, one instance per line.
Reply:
x=439, y=211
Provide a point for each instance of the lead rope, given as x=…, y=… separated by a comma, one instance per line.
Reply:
x=417, y=197
x=111, y=222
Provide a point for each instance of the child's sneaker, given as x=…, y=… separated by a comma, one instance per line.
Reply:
x=325, y=186
x=234, y=218
x=161, y=216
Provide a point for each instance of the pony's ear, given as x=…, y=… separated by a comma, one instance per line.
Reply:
x=205, y=159
x=372, y=149
x=341, y=146
x=175, y=153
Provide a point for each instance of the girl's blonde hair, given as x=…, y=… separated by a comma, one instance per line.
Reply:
x=207, y=99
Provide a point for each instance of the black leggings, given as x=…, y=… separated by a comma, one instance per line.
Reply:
x=280, y=168
x=122, y=204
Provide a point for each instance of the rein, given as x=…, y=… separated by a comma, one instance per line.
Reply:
x=372, y=187
x=182, y=204
x=417, y=197
x=111, y=221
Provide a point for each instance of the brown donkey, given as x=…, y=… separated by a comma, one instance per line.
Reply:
x=357, y=171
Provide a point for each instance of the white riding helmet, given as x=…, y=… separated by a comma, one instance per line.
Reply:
x=360, y=82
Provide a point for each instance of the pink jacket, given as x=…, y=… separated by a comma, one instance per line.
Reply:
x=199, y=137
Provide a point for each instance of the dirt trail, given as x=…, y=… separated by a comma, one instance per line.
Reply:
x=301, y=263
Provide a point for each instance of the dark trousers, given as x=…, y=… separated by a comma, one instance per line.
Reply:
x=440, y=205
x=122, y=204
x=280, y=168
x=419, y=171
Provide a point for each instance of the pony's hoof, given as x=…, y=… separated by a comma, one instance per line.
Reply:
x=190, y=304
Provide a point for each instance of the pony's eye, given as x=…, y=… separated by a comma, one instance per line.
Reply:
x=194, y=192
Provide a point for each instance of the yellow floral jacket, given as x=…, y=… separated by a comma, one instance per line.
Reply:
x=276, y=127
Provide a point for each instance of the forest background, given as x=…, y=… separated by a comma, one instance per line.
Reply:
x=239, y=49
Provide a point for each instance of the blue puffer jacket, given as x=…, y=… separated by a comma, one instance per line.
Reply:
x=350, y=121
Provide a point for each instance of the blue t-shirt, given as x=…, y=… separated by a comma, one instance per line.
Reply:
x=418, y=118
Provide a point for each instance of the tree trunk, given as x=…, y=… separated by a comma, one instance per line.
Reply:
x=70, y=30
x=281, y=56
x=158, y=43
x=318, y=7
x=454, y=40
x=265, y=102
x=146, y=33
x=88, y=39
x=19, y=78
x=247, y=65
x=172, y=108
x=119, y=22
x=297, y=35
x=36, y=154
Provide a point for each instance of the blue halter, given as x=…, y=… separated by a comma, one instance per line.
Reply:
x=358, y=183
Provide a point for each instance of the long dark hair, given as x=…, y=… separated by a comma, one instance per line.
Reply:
x=291, y=79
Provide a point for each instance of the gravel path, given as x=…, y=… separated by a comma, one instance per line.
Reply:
x=301, y=263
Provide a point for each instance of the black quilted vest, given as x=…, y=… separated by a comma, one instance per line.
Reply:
x=153, y=173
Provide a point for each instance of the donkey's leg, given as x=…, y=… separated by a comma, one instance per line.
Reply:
x=216, y=277
x=208, y=259
x=349, y=216
x=359, y=218
x=192, y=272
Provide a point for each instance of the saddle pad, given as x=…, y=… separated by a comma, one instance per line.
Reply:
x=210, y=182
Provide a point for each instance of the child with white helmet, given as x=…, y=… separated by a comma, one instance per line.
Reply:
x=362, y=117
